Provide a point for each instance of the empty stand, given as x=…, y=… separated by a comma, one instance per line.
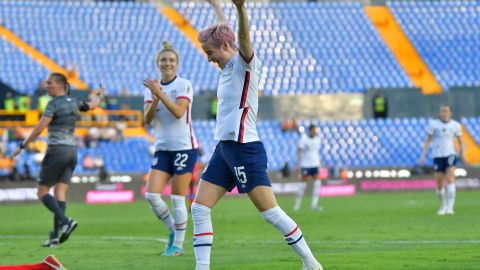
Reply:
x=446, y=34
x=18, y=70
x=114, y=43
x=312, y=47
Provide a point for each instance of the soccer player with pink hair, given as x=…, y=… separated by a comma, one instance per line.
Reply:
x=239, y=159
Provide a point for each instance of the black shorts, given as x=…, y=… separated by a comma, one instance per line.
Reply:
x=441, y=164
x=58, y=165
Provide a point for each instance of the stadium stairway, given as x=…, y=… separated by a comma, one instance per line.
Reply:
x=472, y=149
x=182, y=24
x=403, y=50
x=39, y=57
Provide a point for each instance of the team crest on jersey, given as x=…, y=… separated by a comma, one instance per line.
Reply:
x=155, y=161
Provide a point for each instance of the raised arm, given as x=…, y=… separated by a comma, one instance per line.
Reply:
x=218, y=11
x=244, y=42
x=94, y=101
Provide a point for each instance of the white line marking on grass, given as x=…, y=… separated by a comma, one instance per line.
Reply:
x=316, y=242
x=371, y=242
x=83, y=237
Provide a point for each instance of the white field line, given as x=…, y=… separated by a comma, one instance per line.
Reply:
x=315, y=242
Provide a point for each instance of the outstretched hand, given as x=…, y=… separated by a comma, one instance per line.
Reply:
x=100, y=91
x=98, y=97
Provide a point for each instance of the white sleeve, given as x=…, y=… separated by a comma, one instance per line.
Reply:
x=458, y=130
x=147, y=98
x=186, y=92
x=431, y=128
x=301, y=143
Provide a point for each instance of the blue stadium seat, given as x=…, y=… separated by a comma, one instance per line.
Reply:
x=441, y=28
x=111, y=43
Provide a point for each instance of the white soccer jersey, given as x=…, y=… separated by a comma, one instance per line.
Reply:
x=310, y=151
x=172, y=134
x=238, y=100
x=443, y=135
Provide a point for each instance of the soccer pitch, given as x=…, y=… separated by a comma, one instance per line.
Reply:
x=367, y=231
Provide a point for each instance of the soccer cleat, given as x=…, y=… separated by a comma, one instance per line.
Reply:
x=318, y=267
x=171, y=237
x=67, y=229
x=442, y=211
x=52, y=242
x=296, y=207
x=450, y=212
x=318, y=208
x=53, y=262
x=173, y=251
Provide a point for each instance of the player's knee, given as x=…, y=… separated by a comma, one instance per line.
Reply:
x=200, y=213
x=178, y=201
x=154, y=199
x=273, y=215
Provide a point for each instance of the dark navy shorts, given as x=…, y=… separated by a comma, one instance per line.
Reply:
x=175, y=162
x=309, y=172
x=441, y=164
x=238, y=164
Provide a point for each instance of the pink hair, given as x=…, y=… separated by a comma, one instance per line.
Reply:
x=219, y=34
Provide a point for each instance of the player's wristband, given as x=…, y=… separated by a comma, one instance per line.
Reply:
x=22, y=146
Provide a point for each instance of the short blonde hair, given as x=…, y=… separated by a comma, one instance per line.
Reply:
x=166, y=47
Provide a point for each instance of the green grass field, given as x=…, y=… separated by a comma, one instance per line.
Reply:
x=367, y=231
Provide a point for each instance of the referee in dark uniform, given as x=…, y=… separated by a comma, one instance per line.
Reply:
x=61, y=157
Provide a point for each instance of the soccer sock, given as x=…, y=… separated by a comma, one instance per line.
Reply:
x=160, y=209
x=52, y=205
x=180, y=217
x=56, y=222
x=202, y=235
x=300, y=191
x=316, y=193
x=292, y=234
x=441, y=197
x=451, y=194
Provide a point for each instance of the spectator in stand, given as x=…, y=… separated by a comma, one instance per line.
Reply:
x=23, y=103
x=9, y=103
x=289, y=125
x=88, y=163
x=7, y=166
x=108, y=134
x=92, y=137
x=380, y=106
x=120, y=126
